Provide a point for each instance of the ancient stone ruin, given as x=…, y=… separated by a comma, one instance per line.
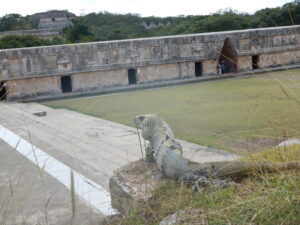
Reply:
x=49, y=24
x=54, y=19
x=64, y=70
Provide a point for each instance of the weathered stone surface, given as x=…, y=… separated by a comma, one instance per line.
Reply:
x=126, y=54
x=187, y=216
x=42, y=33
x=104, y=65
x=53, y=19
x=289, y=142
x=133, y=184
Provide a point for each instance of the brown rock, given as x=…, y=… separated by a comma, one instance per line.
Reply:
x=133, y=184
x=187, y=216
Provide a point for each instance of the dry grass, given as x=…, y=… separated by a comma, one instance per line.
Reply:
x=284, y=154
x=261, y=198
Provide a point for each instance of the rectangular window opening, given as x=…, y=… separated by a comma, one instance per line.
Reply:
x=132, y=76
x=66, y=84
x=255, y=61
x=198, y=69
x=3, y=92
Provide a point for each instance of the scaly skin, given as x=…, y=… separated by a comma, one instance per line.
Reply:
x=167, y=153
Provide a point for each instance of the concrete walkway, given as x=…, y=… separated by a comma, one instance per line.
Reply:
x=30, y=196
x=91, y=146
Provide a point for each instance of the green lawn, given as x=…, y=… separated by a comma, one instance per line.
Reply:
x=237, y=115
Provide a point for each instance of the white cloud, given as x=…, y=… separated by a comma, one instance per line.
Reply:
x=143, y=7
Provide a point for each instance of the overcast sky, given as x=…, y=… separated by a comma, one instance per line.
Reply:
x=161, y=8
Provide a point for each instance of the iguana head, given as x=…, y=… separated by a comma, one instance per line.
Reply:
x=149, y=124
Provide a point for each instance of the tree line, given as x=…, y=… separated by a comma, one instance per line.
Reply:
x=104, y=26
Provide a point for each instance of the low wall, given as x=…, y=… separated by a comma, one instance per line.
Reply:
x=33, y=88
x=279, y=58
x=124, y=54
x=88, y=82
x=42, y=33
x=103, y=65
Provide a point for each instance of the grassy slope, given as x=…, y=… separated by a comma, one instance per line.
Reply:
x=234, y=115
x=259, y=199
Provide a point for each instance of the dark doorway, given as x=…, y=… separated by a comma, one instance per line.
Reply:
x=255, y=61
x=228, y=57
x=132, y=76
x=198, y=69
x=66, y=84
x=3, y=93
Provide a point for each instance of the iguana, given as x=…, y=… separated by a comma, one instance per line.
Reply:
x=166, y=151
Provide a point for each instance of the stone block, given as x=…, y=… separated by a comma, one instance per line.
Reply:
x=133, y=184
x=187, y=216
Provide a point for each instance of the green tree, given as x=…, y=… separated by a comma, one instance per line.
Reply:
x=104, y=26
x=15, y=41
x=79, y=33
x=15, y=22
x=57, y=40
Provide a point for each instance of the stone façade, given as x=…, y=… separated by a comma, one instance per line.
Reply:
x=53, y=19
x=42, y=33
x=49, y=24
x=45, y=72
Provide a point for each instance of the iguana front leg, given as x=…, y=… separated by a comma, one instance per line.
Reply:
x=149, y=154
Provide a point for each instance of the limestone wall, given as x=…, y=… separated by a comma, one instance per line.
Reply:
x=102, y=65
x=279, y=58
x=46, y=61
x=42, y=33
x=210, y=67
x=92, y=81
x=171, y=71
x=244, y=63
x=31, y=88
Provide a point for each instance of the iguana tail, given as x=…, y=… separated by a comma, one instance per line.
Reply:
x=240, y=168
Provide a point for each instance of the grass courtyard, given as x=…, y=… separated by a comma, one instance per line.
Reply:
x=237, y=115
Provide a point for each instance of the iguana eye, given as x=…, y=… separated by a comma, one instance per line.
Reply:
x=142, y=118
